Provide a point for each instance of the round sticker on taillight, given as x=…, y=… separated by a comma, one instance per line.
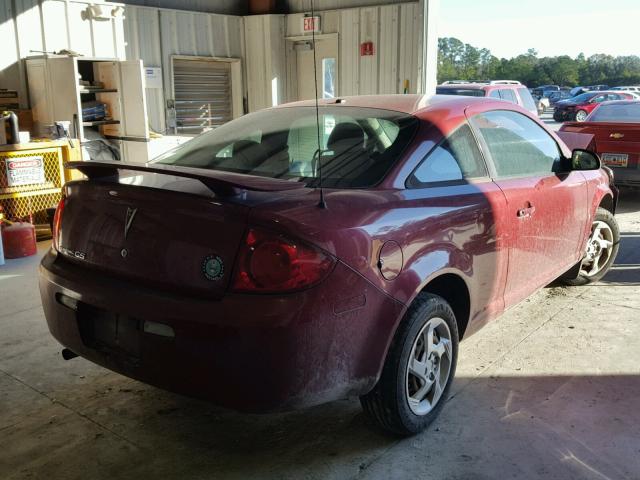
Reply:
x=213, y=267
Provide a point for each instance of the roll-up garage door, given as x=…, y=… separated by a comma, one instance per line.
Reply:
x=202, y=94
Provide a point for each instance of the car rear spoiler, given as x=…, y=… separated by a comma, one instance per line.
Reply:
x=225, y=184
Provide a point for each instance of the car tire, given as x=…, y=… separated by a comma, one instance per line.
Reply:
x=557, y=117
x=593, y=265
x=581, y=115
x=394, y=403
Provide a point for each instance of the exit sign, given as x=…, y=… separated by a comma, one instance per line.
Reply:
x=311, y=24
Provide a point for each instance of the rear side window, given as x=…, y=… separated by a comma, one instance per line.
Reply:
x=517, y=144
x=508, y=95
x=527, y=99
x=495, y=94
x=454, y=159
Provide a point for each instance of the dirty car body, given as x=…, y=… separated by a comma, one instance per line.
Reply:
x=216, y=272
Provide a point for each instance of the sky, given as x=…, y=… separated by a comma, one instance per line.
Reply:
x=553, y=27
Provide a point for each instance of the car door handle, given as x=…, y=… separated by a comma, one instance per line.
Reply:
x=526, y=212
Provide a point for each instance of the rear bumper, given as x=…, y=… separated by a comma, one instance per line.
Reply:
x=246, y=352
x=626, y=177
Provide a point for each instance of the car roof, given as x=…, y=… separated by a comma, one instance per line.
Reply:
x=405, y=103
x=621, y=102
x=482, y=86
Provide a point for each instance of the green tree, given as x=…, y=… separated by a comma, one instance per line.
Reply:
x=460, y=61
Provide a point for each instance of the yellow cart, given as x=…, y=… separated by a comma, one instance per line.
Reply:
x=31, y=177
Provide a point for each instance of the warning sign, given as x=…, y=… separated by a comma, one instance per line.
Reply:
x=25, y=171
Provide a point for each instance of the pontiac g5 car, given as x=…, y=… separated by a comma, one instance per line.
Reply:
x=251, y=268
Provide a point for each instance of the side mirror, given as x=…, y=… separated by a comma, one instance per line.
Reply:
x=584, y=160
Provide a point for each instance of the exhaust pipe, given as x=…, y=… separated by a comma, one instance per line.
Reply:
x=68, y=354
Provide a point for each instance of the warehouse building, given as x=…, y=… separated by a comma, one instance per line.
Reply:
x=203, y=63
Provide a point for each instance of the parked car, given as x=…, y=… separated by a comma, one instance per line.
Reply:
x=556, y=97
x=508, y=90
x=615, y=127
x=578, y=108
x=254, y=269
x=543, y=91
x=590, y=88
x=628, y=89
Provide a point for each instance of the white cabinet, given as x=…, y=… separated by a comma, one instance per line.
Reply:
x=57, y=95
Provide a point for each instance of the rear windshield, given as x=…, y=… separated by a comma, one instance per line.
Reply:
x=617, y=112
x=468, y=92
x=359, y=145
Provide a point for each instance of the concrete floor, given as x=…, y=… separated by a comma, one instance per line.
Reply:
x=551, y=390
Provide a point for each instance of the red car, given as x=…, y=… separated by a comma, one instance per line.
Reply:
x=579, y=107
x=507, y=90
x=615, y=127
x=251, y=268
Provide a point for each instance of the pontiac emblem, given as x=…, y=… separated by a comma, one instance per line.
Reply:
x=128, y=221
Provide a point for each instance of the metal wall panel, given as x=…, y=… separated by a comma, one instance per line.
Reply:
x=223, y=7
x=28, y=26
x=295, y=6
x=410, y=45
x=388, y=50
x=155, y=34
x=142, y=31
x=349, y=53
x=10, y=71
x=369, y=64
x=396, y=33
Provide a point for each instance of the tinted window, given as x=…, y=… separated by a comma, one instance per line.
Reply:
x=469, y=92
x=359, y=145
x=508, y=95
x=454, y=159
x=617, y=112
x=527, y=99
x=583, y=97
x=517, y=144
x=600, y=98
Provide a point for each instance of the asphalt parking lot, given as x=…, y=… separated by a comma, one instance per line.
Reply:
x=547, y=118
x=551, y=390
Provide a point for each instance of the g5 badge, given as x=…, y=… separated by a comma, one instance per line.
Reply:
x=213, y=267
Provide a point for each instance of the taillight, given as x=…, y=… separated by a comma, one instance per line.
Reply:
x=270, y=263
x=57, y=222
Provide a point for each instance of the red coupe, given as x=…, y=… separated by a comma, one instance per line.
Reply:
x=615, y=127
x=296, y=256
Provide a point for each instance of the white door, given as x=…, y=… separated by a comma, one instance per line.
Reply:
x=326, y=68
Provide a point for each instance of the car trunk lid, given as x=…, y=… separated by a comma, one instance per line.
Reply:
x=618, y=144
x=173, y=231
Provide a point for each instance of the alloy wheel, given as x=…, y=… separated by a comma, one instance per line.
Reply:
x=581, y=116
x=599, y=249
x=429, y=366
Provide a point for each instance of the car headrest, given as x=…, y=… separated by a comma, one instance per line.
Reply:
x=346, y=136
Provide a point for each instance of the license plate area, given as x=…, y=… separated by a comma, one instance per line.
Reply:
x=615, y=159
x=109, y=332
